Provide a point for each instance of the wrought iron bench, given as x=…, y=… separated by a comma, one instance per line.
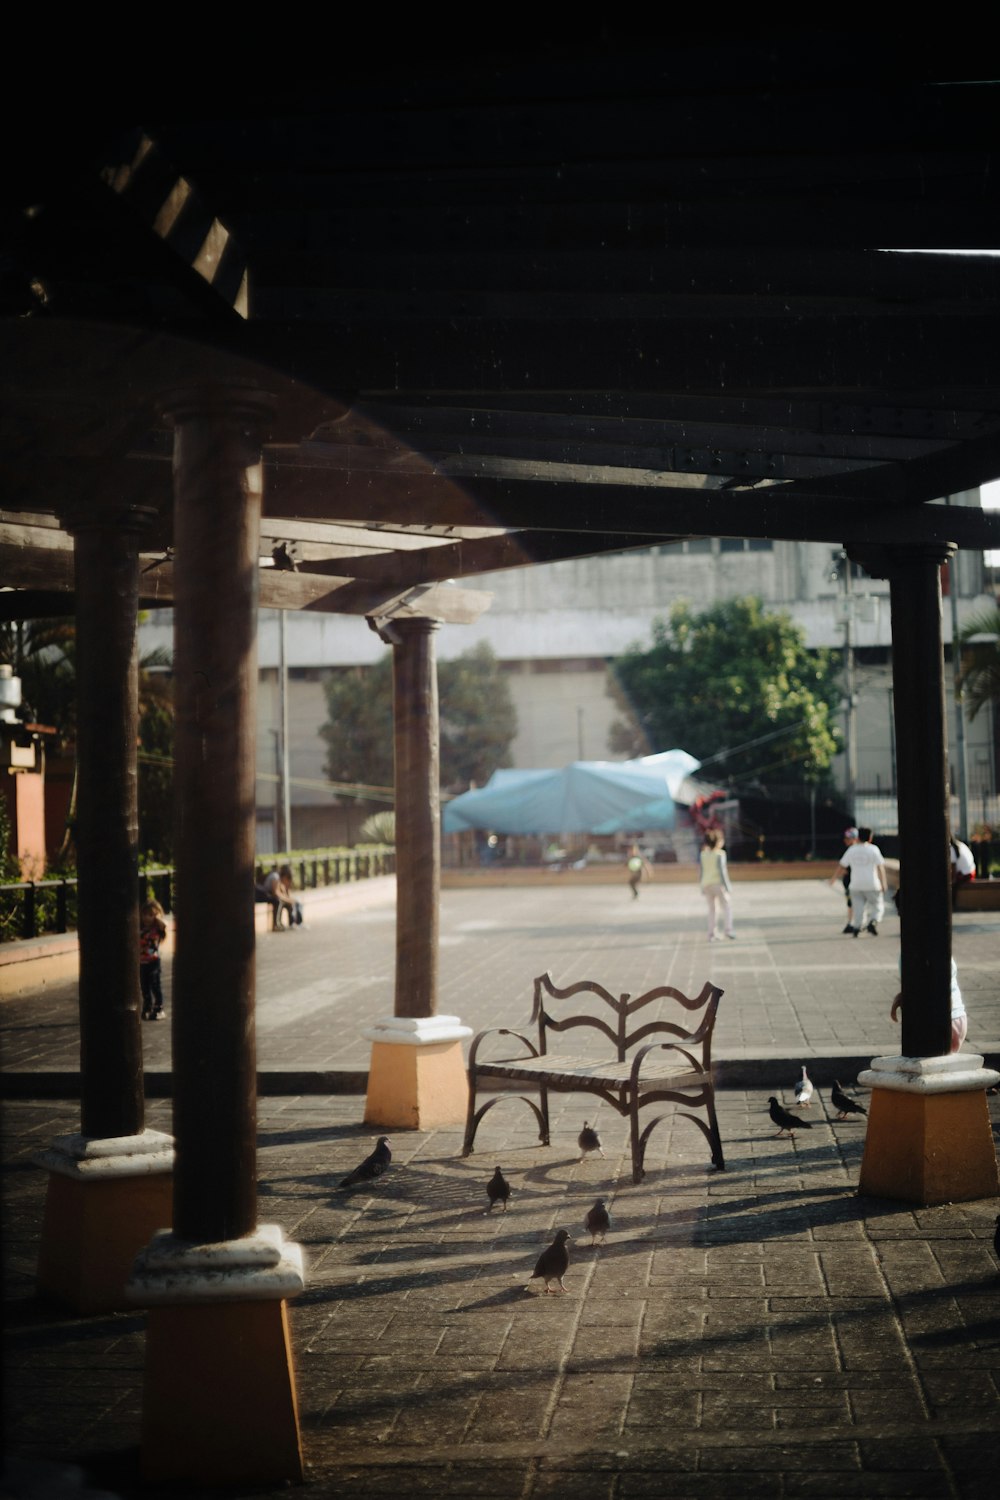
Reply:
x=677, y=1071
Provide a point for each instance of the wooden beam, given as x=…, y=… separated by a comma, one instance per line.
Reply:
x=457, y=456
x=947, y=471
x=385, y=346
x=466, y=559
x=774, y=512
x=480, y=427
x=51, y=570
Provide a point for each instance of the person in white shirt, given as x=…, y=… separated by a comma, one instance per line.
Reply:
x=850, y=838
x=959, y=1018
x=963, y=866
x=867, y=887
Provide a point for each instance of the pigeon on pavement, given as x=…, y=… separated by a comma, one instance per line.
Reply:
x=589, y=1140
x=996, y=1239
x=784, y=1120
x=804, y=1090
x=497, y=1190
x=552, y=1263
x=843, y=1103
x=372, y=1166
x=598, y=1221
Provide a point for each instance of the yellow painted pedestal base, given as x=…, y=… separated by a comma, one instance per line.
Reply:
x=219, y=1403
x=92, y=1232
x=929, y=1148
x=417, y=1087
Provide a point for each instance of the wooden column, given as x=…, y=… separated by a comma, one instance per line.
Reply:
x=417, y=1077
x=417, y=745
x=929, y=1138
x=922, y=796
x=217, y=504
x=219, y=1400
x=107, y=829
x=109, y=1185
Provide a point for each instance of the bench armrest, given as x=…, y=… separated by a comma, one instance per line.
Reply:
x=499, y=1031
x=660, y=1047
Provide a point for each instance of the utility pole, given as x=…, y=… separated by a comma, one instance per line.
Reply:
x=842, y=564
x=285, y=841
x=961, y=758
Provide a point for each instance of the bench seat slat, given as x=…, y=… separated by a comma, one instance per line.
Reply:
x=572, y=1069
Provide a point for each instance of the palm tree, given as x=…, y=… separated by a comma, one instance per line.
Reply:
x=979, y=674
x=43, y=655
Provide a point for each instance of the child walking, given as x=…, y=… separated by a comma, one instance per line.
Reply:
x=638, y=866
x=152, y=931
x=715, y=885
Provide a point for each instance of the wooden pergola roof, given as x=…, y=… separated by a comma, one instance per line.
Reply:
x=508, y=313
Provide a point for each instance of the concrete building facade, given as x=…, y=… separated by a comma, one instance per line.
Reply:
x=556, y=628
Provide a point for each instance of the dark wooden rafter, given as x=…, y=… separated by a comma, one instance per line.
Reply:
x=505, y=320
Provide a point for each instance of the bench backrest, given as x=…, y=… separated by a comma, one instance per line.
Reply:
x=612, y=1015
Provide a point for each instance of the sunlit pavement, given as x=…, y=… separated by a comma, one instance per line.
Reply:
x=762, y=1331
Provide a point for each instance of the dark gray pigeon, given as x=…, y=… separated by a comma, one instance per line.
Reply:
x=497, y=1190
x=598, y=1221
x=552, y=1263
x=843, y=1103
x=784, y=1120
x=373, y=1165
x=996, y=1239
x=588, y=1140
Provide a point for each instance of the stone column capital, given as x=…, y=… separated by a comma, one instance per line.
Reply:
x=884, y=560
x=215, y=399
x=127, y=519
x=395, y=630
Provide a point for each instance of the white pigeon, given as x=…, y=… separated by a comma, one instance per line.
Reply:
x=803, y=1090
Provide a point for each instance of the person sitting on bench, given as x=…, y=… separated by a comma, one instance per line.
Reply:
x=276, y=889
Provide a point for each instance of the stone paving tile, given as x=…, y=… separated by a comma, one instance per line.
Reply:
x=833, y=1458
x=590, y=1409
x=734, y=1413
x=511, y=1412
x=695, y=1486
x=911, y=1482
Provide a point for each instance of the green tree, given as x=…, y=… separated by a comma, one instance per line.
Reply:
x=735, y=679
x=477, y=721
x=979, y=676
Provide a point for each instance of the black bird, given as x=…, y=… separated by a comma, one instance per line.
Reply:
x=996, y=1239
x=552, y=1263
x=589, y=1140
x=844, y=1103
x=784, y=1120
x=372, y=1166
x=598, y=1221
x=497, y=1190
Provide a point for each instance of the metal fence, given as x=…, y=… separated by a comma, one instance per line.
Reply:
x=29, y=908
x=879, y=811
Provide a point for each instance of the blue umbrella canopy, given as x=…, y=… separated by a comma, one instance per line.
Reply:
x=588, y=796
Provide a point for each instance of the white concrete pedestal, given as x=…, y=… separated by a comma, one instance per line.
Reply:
x=219, y=1401
x=105, y=1198
x=417, y=1079
x=929, y=1138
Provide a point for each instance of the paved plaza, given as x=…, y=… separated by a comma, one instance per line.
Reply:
x=762, y=1331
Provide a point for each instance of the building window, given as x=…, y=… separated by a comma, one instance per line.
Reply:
x=691, y=545
x=745, y=544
